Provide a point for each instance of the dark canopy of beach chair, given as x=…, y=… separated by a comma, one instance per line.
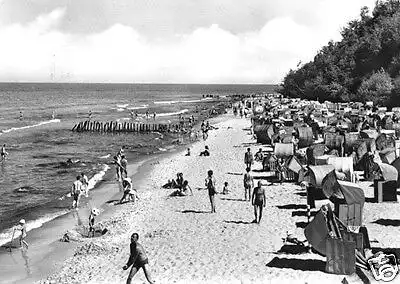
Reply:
x=396, y=164
x=339, y=191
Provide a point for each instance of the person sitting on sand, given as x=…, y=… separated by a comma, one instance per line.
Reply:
x=211, y=186
x=22, y=227
x=93, y=213
x=225, y=189
x=248, y=184
x=85, y=184
x=76, y=192
x=259, y=156
x=186, y=188
x=138, y=259
x=179, y=180
x=128, y=191
x=188, y=152
x=258, y=200
x=206, y=152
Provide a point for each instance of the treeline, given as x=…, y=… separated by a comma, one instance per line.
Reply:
x=363, y=66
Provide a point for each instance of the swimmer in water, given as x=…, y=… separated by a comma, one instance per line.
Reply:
x=3, y=153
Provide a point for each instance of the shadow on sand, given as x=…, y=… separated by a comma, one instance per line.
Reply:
x=292, y=249
x=195, y=211
x=233, y=199
x=303, y=213
x=387, y=222
x=301, y=224
x=298, y=264
x=238, y=222
x=292, y=206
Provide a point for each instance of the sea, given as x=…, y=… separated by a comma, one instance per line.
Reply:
x=36, y=121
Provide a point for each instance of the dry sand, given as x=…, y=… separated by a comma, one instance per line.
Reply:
x=187, y=244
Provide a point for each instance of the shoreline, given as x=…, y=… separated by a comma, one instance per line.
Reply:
x=46, y=252
x=187, y=244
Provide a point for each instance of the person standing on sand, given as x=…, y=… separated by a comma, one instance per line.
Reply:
x=90, y=114
x=248, y=159
x=211, y=186
x=85, y=184
x=117, y=163
x=124, y=165
x=76, y=192
x=22, y=228
x=138, y=259
x=258, y=200
x=248, y=183
x=3, y=153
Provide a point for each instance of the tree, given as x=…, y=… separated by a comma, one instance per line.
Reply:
x=376, y=88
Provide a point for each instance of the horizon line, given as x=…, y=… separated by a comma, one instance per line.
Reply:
x=121, y=83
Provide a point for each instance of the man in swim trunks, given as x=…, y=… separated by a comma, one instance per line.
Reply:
x=138, y=259
x=258, y=201
x=210, y=183
x=248, y=158
x=248, y=184
x=76, y=192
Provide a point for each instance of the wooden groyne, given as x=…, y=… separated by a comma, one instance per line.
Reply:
x=115, y=126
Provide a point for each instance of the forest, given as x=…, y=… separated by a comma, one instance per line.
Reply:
x=363, y=66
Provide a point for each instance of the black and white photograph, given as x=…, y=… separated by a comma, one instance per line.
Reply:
x=208, y=141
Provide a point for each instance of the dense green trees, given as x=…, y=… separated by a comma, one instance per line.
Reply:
x=363, y=66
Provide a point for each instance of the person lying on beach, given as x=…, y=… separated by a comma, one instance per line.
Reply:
x=258, y=200
x=22, y=227
x=138, y=259
x=76, y=192
x=129, y=193
x=206, y=152
x=225, y=189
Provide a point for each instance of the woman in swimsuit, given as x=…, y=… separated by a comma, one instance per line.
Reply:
x=258, y=201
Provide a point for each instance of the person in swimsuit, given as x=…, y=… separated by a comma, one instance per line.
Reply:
x=138, y=259
x=129, y=191
x=93, y=213
x=85, y=184
x=76, y=192
x=248, y=159
x=186, y=188
x=210, y=184
x=3, y=153
x=248, y=183
x=258, y=201
x=22, y=227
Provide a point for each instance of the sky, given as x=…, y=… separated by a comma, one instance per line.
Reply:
x=165, y=41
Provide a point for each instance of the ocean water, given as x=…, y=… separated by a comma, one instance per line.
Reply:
x=35, y=178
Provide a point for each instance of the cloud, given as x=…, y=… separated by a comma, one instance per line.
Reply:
x=209, y=54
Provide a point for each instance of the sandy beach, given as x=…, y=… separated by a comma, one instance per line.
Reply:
x=187, y=244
